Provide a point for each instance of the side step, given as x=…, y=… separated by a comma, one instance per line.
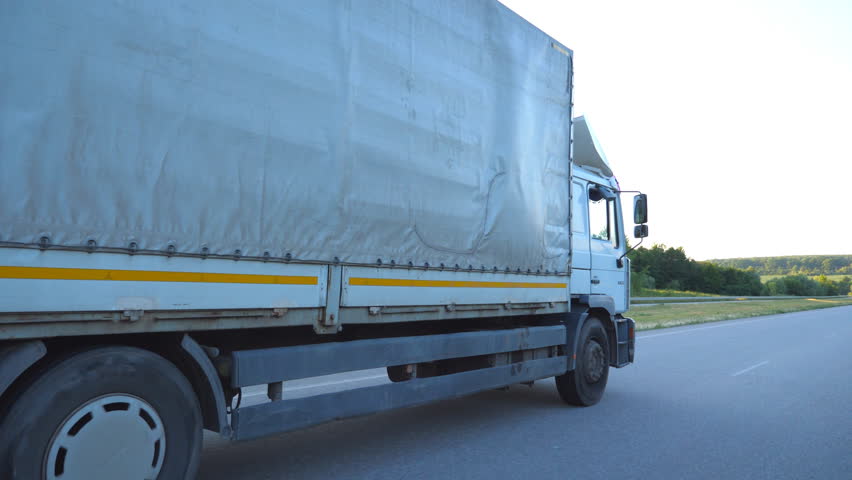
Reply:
x=625, y=329
x=274, y=417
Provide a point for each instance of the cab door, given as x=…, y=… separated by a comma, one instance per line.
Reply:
x=606, y=245
x=581, y=260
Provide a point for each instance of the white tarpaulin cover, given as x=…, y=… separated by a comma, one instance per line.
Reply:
x=425, y=131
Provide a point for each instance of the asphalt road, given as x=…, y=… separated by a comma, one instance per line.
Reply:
x=767, y=397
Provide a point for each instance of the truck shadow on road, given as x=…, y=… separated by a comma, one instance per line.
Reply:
x=359, y=444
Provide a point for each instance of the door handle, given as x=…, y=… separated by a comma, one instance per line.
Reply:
x=595, y=281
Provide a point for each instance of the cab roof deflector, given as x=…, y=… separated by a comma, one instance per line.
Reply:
x=588, y=153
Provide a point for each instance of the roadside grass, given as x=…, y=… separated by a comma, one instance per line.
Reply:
x=676, y=314
x=644, y=292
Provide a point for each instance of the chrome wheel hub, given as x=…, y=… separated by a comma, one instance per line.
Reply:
x=594, y=361
x=110, y=437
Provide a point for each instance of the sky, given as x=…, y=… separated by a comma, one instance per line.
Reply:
x=735, y=117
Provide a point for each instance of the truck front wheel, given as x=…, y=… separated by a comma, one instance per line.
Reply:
x=585, y=385
x=106, y=413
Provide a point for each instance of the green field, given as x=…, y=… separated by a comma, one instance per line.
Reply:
x=672, y=315
x=834, y=278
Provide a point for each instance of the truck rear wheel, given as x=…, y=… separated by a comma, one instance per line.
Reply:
x=107, y=413
x=585, y=385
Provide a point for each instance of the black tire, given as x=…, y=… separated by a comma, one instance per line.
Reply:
x=584, y=386
x=75, y=383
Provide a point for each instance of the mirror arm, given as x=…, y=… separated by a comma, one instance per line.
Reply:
x=620, y=261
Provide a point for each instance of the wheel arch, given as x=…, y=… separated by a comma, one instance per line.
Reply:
x=600, y=307
x=194, y=363
x=16, y=358
x=207, y=385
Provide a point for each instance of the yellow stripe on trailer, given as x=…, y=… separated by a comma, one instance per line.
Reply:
x=47, y=273
x=397, y=282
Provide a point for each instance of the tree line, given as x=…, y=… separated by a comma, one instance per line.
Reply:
x=669, y=268
x=802, y=285
x=792, y=265
x=662, y=267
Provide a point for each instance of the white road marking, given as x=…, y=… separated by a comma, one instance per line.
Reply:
x=750, y=368
x=318, y=385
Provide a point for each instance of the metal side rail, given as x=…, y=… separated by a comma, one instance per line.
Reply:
x=256, y=367
x=274, y=417
x=513, y=356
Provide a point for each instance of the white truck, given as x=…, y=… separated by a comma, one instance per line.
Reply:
x=200, y=197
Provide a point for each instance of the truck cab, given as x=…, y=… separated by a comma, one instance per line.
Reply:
x=599, y=264
x=598, y=240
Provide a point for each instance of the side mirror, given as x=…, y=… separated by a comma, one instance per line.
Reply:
x=640, y=231
x=640, y=210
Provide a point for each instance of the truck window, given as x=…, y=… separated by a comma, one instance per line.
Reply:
x=602, y=224
x=578, y=214
x=612, y=222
